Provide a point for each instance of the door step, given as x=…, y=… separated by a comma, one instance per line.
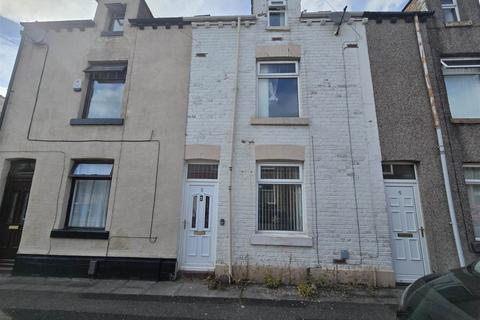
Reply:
x=6, y=266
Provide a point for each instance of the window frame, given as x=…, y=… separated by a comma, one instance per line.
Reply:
x=74, y=178
x=116, y=11
x=454, y=5
x=90, y=89
x=275, y=10
x=296, y=75
x=471, y=182
x=449, y=70
x=300, y=181
x=188, y=163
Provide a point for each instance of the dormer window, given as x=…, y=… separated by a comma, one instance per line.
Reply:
x=116, y=17
x=277, y=14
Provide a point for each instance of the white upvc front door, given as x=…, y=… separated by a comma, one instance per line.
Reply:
x=199, y=227
x=410, y=257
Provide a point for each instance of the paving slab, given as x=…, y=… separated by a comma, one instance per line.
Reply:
x=200, y=290
x=105, y=286
x=168, y=288
x=134, y=287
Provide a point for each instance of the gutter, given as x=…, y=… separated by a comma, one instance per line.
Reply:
x=441, y=146
x=12, y=80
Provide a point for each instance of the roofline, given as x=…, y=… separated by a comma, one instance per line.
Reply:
x=326, y=14
x=397, y=14
x=172, y=21
x=220, y=18
x=67, y=24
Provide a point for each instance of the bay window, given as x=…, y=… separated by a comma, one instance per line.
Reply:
x=278, y=84
x=89, y=195
x=472, y=181
x=280, y=198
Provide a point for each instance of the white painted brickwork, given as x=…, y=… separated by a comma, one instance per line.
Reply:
x=323, y=101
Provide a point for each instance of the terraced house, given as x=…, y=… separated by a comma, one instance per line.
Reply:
x=254, y=145
x=92, y=145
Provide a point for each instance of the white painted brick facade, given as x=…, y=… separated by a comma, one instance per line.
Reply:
x=323, y=93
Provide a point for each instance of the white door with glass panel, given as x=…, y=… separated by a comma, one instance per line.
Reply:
x=199, y=227
x=407, y=231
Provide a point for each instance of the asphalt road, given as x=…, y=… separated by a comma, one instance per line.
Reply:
x=29, y=305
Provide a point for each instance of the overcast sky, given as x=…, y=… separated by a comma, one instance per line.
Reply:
x=41, y=10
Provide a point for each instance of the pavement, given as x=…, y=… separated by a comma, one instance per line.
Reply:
x=59, y=298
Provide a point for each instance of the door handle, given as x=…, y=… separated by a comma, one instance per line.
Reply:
x=422, y=231
x=13, y=227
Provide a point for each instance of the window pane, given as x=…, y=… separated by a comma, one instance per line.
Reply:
x=106, y=100
x=472, y=173
x=277, y=19
x=464, y=95
x=194, y=212
x=278, y=97
x=280, y=173
x=447, y=1
x=89, y=205
x=268, y=68
x=280, y=207
x=93, y=169
x=202, y=171
x=399, y=171
x=207, y=212
x=450, y=15
x=117, y=24
x=474, y=199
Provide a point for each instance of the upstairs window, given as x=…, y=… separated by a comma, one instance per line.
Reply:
x=450, y=10
x=278, y=89
x=462, y=80
x=90, y=193
x=105, y=91
x=280, y=198
x=116, y=13
x=277, y=15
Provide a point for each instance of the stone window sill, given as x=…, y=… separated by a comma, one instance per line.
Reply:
x=96, y=122
x=112, y=34
x=279, y=121
x=278, y=29
x=459, y=24
x=465, y=121
x=80, y=234
x=287, y=240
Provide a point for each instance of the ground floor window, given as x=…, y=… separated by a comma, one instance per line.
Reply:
x=472, y=180
x=90, y=194
x=280, y=198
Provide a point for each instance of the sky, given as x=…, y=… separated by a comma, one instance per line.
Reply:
x=14, y=11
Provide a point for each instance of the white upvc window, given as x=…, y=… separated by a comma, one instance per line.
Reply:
x=278, y=89
x=462, y=80
x=450, y=11
x=277, y=13
x=280, y=202
x=472, y=181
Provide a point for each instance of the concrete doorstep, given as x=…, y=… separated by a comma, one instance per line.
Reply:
x=198, y=290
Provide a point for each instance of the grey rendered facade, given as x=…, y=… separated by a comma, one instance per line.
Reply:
x=406, y=124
